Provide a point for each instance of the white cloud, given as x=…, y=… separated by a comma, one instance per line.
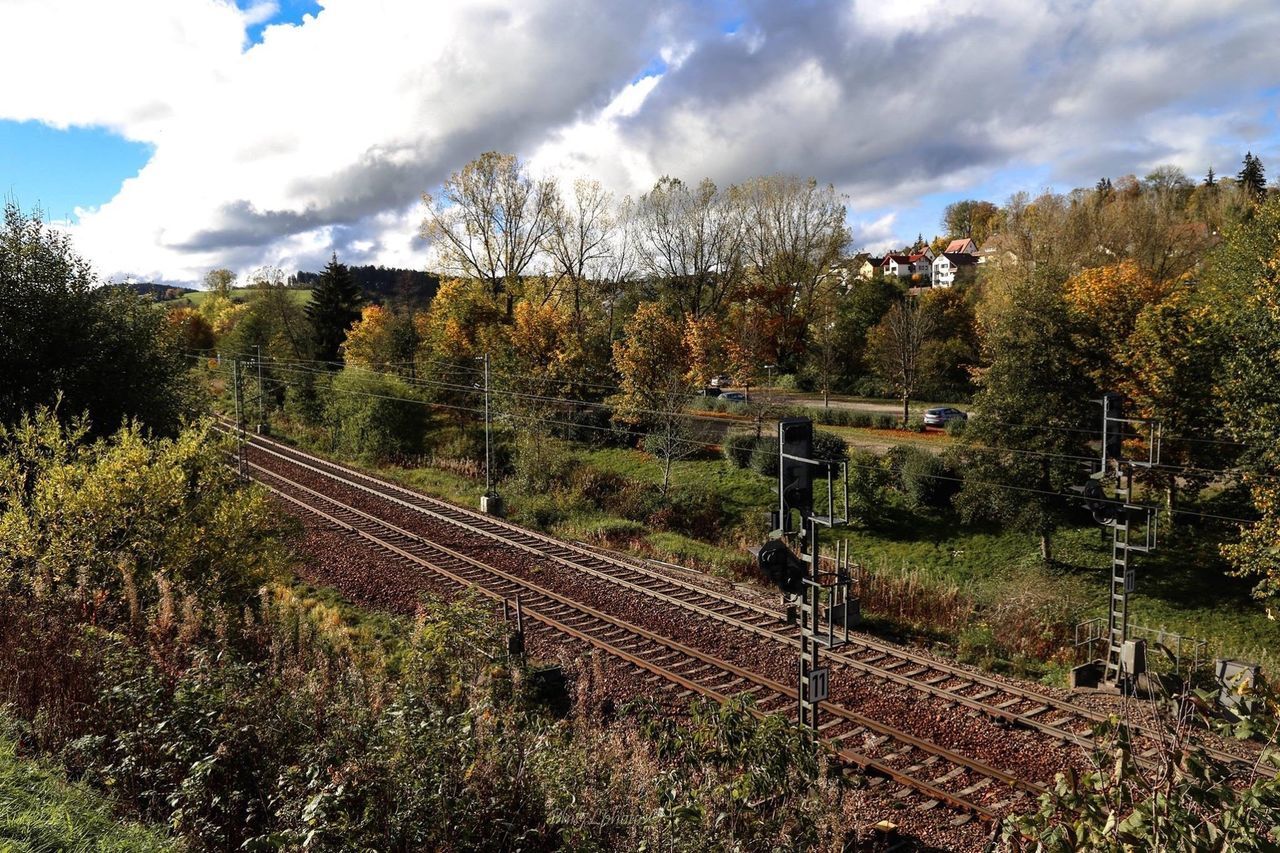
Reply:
x=324, y=135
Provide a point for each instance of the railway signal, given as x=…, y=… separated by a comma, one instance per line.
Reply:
x=800, y=575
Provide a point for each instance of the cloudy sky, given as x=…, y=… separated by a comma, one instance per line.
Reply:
x=174, y=136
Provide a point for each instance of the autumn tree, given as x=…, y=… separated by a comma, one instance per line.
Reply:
x=1106, y=302
x=690, y=244
x=334, y=307
x=653, y=365
x=580, y=238
x=490, y=220
x=794, y=234
x=896, y=344
x=1249, y=293
x=383, y=340
x=971, y=218
x=1032, y=413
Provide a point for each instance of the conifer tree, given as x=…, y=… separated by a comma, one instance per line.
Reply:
x=334, y=307
x=1210, y=179
x=1252, y=177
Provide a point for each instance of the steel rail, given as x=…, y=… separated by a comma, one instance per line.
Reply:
x=870, y=764
x=938, y=673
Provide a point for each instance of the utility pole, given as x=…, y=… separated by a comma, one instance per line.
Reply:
x=241, y=461
x=490, y=501
x=1133, y=531
x=262, y=420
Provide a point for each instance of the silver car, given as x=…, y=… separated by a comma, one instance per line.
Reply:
x=943, y=415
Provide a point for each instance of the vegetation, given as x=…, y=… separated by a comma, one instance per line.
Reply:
x=105, y=351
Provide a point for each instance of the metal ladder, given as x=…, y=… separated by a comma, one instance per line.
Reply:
x=1121, y=583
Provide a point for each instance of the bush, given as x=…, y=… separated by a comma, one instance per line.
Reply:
x=956, y=427
x=828, y=445
x=861, y=420
x=695, y=509
x=922, y=477
x=764, y=456
x=737, y=448
x=886, y=422
x=375, y=416
x=868, y=482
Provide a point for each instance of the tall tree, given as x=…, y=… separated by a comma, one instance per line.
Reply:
x=1251, y=177
x=897, y=343
x=970, y=218
x=103, y=350
x=1210, y=179
x=690, y=244
x=220, y=281
x=334, y=307
x=490, y=220
x=794, y=235
x=1032, y=411
x=580, y=238
x=1249, y=294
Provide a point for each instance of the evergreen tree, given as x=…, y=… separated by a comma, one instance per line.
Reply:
x=1210, y=179
x=1251, y=176
x=1103, y=186
x=334, y=307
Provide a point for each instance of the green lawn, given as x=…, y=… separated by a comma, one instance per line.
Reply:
x=300, y=296
x=41, y=811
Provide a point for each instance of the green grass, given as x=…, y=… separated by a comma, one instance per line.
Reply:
x=41, y=811
x=300, y=296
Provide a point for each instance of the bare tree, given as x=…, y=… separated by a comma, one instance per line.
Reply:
x=691, y=243
x=490, y=220
x=580, y=236
x=896, y=343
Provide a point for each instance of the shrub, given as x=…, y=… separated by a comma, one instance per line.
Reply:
x=375, y=416
x=922, y=477
x=868, y=483
x=737, y=448
x=764, y=456
x=828, y=445
x=956, y=427
x=862, y=420
x=886, y=422
x=694, y=509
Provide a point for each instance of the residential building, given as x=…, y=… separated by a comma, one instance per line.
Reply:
x=949, y=266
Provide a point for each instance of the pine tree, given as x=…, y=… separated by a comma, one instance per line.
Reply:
x=1103, y=186
x=1210, y=179
x=334, y=307
x=1251, y=177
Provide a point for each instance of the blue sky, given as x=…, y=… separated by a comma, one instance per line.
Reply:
x=278, y=131
x=60, y=170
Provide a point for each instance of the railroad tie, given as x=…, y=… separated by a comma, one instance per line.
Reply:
x=986, y=694
x=976, y=787
x=947, y=777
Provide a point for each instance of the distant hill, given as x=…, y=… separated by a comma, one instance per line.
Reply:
x=384, y=284
x=159, y=292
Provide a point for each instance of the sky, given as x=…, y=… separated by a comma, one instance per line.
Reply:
x=170, y=137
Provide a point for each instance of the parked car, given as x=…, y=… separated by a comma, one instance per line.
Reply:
x=721, y=381
x=733, y=397
x=710, y=391
x=942, y=415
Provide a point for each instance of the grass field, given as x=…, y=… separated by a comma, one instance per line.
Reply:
x=302, y=297
x=41, y=811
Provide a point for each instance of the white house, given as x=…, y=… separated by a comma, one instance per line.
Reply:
x=948, y=264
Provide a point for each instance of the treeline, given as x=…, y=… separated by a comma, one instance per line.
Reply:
x=382, y=284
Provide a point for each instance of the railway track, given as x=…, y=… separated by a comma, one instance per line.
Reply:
x=937, y=775
x=1061, y=720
